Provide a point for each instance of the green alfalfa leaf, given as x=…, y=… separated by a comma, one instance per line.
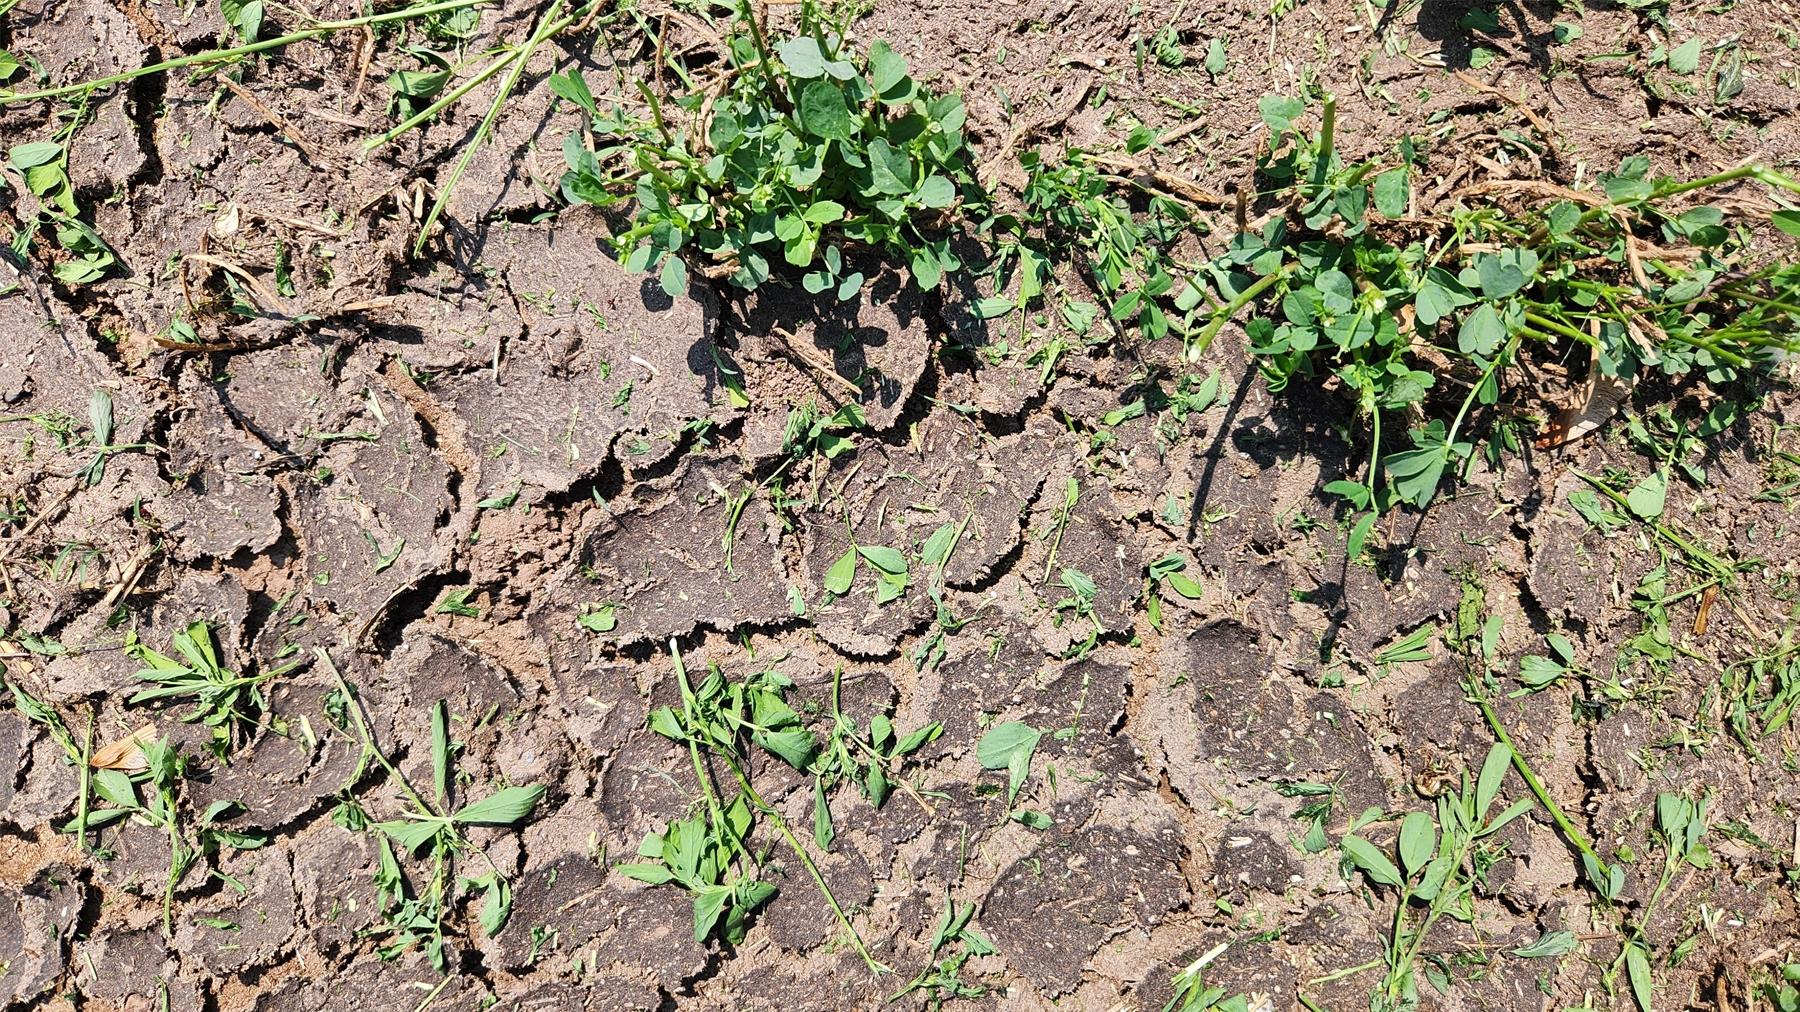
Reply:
x=653, y=874
x=1418, y=841
x=1034, y=819
x=674, y=277
x=824, y=113
x=1358, y=535
x=496, y=905
x=1391, y=193
x=937, y=547
x=1550, y=943
x=1637, y=967
x=1647, y=498
x=888, y=560
x=1537, y=671
x=440, y=750
x=990, y=307
x=886, y=67
x=412, y=836
x=1493, y=771
x=1184, y=586
x=796, y=746
x=803, y=57
x=823, y=833
x=1371, y=860
x=9, y=65
x=1215, y=57
x=1009, y=746
x=501, y=808
x=843, y=571
x=1787, y=221
x=709, y=904
x=34, y=154
x=600, y=620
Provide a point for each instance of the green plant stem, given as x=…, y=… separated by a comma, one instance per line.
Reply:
x=1469, y=401
x=1568, y=829
x=1213, y=326
x=1690, y=552
x=221, y=55
x=687, y=707
x=87, y=782
x=1560, y=328
x=436, y=107
x=806, y=859
x=548, y=25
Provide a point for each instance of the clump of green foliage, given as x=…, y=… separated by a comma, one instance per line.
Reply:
x=431, y=830
x=1440, y=863
x=1637, y=277
x=810, y=144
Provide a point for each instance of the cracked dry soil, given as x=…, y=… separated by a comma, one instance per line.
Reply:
x=319, y=486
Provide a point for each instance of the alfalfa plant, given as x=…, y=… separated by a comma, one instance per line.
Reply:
x=1433, y=872
x=709, y=854
x=430, y=829
x=795, y=147
x=1639, y=276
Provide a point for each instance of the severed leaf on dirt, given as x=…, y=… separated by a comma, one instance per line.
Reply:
x=1034, y=819
x=34, y=154
x=1215, y=57
x=1371, y=860
x=837, y=579
x=916, y=740
x=9, y=65
x=501, y=808
x=1493, y=771
x=823, y=833
x=654, y=874
x=1685, y=58
x=1787, y=221
x=496, y=905
x=1637, y=967
x=1390, y=192
x=1184, y=586
x=937, y=547
x=501, y=502
x=887, y=560
x=601, y=620
x=1009, y=746
x=1648, y=497
x=440, y=750
x=1550, y=943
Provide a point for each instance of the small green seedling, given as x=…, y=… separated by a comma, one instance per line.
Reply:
x=942, y=977
x=708, y=855
x=223, y=700
x=1433, y=866
x=430, y=830
x=1192, y=994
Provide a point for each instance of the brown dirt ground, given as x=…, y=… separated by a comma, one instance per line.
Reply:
x=1169, y=834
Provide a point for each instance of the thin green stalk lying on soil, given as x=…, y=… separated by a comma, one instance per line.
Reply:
x=222, y=55
x=548, y=25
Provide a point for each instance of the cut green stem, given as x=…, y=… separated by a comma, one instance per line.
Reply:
x=222, y=55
